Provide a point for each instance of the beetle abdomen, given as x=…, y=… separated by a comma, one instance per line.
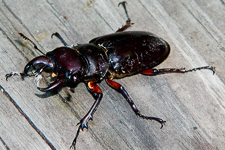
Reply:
x=132, y=52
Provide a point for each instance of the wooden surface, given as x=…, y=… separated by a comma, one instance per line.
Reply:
x=193, y=104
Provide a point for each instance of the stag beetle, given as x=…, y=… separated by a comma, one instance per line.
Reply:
x=108, y=57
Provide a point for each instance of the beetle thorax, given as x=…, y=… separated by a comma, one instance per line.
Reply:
x=96, y=59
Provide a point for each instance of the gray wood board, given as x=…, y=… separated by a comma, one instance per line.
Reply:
x=193, y=104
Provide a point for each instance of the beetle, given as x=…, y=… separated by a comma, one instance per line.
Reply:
x=108, y=57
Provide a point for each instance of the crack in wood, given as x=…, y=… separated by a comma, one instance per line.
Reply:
x=27, y=118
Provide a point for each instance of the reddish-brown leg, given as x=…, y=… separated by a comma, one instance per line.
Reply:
x=97, y=94
x=154, y=71
x=119, y=88
x=128, y=22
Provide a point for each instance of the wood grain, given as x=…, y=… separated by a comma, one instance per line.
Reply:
x=193, y=104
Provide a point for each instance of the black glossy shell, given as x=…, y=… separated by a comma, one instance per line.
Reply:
x=67, y=62
x=96, y=59
x=132, y=52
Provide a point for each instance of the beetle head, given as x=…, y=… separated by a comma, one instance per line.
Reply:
x=66, y=63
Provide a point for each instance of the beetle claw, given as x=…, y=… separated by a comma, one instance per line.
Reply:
x=53, y=86
x=59, y=36
x=15, y=73
x=36, y=61
x=162, y=123
x=159, y=120
x=11, y=74
x=213, y=69
x=81, y=127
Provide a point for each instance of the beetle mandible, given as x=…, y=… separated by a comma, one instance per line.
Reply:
x=111, y=56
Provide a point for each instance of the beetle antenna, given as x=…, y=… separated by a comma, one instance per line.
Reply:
x=35, y=46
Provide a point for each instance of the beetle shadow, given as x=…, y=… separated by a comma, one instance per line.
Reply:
x=46, y=95
x=49, y=94
x=27, y=47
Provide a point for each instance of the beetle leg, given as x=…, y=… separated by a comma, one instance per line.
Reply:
x=97, y=94
x=128, y=22
x=121, y=90
x=174, y=70
x=60, y=37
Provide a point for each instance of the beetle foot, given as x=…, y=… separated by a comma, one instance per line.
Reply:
x=213, y=69
x=154, y=71
x=59, y=37
x=82, y=124
x=11, y=74
x=15, y=74
x=162, y=122
x=73, y=145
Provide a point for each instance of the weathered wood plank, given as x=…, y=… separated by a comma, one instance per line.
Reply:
x=192, y=104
